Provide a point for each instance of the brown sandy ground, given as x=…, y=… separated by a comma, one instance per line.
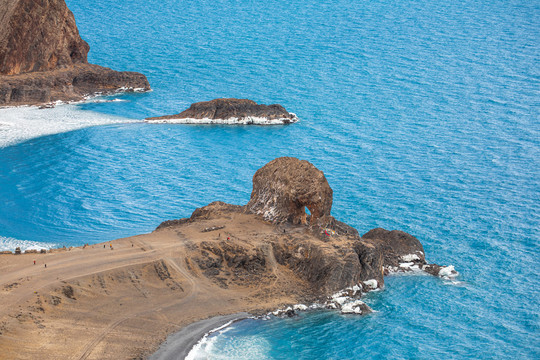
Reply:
x=98, y=303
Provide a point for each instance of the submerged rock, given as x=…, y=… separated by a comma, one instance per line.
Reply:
x=229, y=111
x=44, y=59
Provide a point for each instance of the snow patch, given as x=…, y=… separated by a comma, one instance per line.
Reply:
x=372, y=283
x=248, y=120
x=410, y=257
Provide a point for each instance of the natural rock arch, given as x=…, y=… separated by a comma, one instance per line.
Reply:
x=284, y=187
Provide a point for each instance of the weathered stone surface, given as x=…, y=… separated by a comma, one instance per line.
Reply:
x=325, y=254
x=38, y=35
x=68, y=84
x=43, y=58
x=329, y=269
x=396, y=246
x=223, y=109
x=284, y=187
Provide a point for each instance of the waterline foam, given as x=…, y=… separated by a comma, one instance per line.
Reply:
x=248, y=120
x=18, y=124
x=10, y=244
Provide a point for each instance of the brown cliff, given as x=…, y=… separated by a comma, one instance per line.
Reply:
x=44, y=59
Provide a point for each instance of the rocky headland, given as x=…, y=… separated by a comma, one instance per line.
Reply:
x=43, y=58
x=229, y=111
x=120, y=300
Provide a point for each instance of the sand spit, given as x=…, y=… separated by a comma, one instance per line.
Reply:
x=120, y=300
x=98, y=303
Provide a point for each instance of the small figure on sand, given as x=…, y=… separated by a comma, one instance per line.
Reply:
x=34, y=262
x=45, y=265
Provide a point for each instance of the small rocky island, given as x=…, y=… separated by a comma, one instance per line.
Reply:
x=121, y=299
x=230, y=111
x=43, y=58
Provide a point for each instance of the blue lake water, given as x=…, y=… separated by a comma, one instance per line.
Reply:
x=423, y=115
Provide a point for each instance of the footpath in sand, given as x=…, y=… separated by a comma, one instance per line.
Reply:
x=120, y=300
x=98, y=303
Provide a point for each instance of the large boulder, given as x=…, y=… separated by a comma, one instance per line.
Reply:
x=38, y=35
x=285, y=187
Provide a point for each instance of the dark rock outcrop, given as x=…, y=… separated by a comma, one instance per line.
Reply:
x=44, y=59
x=68, y=84
x=241, y=111
x=330, y=268
x=284, y=187
x=397, y=247
x=338, y=259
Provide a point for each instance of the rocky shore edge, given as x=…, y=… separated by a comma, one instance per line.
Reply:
x=76, y=83
x=339, y=265
x=229, y=111
x=266, y=258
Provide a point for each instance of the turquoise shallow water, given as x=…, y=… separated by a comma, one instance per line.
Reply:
x=424, y=117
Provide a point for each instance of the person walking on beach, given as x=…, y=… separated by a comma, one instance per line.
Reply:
x=34, y=262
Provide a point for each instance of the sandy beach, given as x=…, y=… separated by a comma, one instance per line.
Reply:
x=122, y=299
x=179, y=344
x=99, y=302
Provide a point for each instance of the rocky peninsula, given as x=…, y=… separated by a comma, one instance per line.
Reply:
x=43, y=58
x=120, y=300
x=229, y=111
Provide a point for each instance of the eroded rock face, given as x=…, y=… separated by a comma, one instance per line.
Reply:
x=68, y=84
x=284, y=187
x=233, y=111
x=43, y=59
x=324, y=255
x=396, y=246
x=38, y=35
x=328, y=269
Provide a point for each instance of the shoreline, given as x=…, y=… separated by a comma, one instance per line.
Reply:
x=146, y=296
x=179, y=344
